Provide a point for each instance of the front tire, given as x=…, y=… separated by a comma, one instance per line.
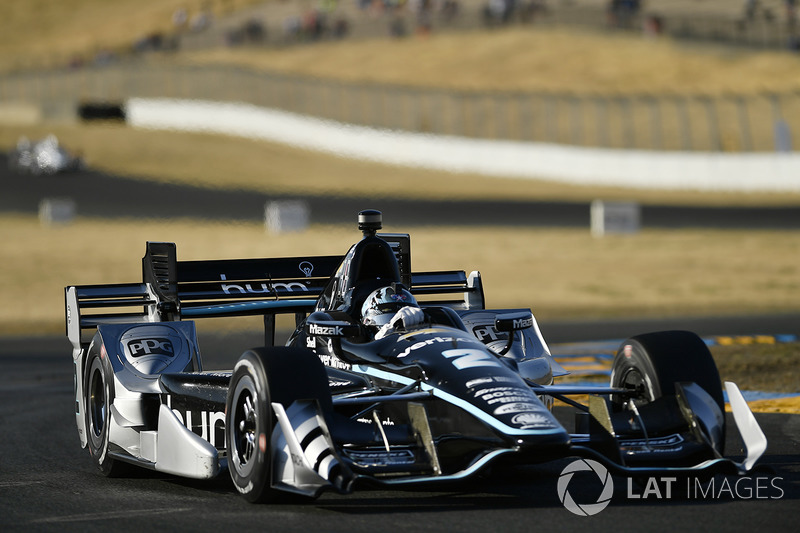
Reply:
x=98, y=398
x=652, y=363
x=262, y=376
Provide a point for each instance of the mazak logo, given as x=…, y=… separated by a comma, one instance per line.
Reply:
x=600, y=477
x=155, y=346
x=523, y=323
x=315, y=329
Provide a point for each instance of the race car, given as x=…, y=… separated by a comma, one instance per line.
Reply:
x=342, y=406
x=44, y=157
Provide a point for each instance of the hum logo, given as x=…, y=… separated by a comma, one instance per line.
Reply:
x=261, y=288
x=155, y=346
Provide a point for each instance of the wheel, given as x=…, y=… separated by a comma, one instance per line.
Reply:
x=99, y=395
x=654, y=362
x=260, y=377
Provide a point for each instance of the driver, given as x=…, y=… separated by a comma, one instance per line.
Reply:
x=390, y=308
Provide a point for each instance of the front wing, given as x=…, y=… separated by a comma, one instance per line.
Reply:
x=310, y=466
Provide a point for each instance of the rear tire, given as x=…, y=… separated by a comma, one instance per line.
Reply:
x=260, y=377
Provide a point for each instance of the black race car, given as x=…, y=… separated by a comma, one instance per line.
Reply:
x=339, y=407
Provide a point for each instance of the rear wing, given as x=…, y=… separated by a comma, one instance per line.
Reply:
x=176, y=290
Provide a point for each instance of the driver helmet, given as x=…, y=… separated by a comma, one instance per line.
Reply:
x=382, y=304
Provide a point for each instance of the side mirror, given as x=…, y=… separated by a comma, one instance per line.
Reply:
x=512, y=322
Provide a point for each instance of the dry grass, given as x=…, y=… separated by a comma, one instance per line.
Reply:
x=224, y=162
x=764, y=367
x=527, y=59
x=36, y=32
x=558, y=273
x=554, y=60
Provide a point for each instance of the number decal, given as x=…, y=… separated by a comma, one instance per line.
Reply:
x=467, y=358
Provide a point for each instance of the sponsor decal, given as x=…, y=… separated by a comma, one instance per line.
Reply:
x=316, y=329
x=518, y=407
x=209, y=425
x=486, y=334
x=262, y=288
x=422, y=344
x=670, y=441
x=465, y=358
x=376, y=458
x=297, y=460
x=306, y=268
x=386, y=421
x=311, y=343
x=154, y=346
x=333, y=362
x=505, y=395
x=523, y=323
x=479, y=381
x=530, y=421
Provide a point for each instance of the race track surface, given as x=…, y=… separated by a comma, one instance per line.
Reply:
x=101, y=195
x=48, y=483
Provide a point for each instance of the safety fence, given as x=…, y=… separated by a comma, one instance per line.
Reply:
x=730, y=123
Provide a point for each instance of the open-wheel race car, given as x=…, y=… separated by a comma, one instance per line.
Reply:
x=391, y=378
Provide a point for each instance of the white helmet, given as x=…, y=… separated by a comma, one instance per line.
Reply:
x=382, y=304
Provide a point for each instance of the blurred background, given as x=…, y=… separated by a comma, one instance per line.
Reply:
x=86, y=181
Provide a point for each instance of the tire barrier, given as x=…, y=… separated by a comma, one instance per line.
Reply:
x=88, y=111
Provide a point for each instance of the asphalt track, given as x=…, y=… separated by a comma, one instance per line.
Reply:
x=47, y=483
x=102, y=195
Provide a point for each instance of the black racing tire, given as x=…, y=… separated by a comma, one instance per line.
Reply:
x=98, y=389
x=262, y=376
x=654, y=362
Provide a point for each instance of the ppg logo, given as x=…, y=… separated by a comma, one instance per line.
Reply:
x=155, y=346
x=485, y=332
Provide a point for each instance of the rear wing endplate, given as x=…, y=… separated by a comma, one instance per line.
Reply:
x=454, y=288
